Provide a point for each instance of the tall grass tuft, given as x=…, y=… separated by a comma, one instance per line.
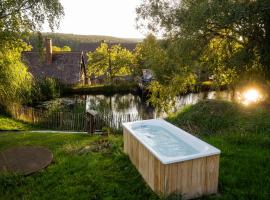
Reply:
x=217, y=117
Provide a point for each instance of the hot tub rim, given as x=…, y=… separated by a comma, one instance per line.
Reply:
x=169, y=160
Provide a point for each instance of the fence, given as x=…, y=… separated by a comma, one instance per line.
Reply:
x=115, y=120
x=69, y=121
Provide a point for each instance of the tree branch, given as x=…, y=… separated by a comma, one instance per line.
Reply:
x=225, y=36
x=20, y=9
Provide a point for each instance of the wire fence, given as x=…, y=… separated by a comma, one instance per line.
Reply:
x=71, y=121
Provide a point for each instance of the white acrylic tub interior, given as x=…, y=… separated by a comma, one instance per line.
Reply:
x=167, y=142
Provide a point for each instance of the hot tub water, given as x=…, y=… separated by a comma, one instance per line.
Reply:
x=163, y=141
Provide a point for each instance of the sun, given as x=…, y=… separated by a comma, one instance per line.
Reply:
x=251, y=96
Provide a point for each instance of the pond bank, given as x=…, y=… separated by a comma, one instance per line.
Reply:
x=131, y=87
x=102, y=89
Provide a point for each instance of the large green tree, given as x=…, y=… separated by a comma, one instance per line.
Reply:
x=227, y=38
x=242, y=23
x=110, y=61
x=172, y=76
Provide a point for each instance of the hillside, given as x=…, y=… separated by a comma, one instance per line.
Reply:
x=83, y=42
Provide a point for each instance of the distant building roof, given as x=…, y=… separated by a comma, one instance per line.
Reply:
x=68, y=67
x=65, y=66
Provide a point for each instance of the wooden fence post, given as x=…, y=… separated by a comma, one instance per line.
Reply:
x=61, y=120
x=91, y=117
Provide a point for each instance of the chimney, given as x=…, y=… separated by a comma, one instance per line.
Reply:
x=48, y=43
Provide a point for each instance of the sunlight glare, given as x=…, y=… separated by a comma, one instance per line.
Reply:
x=251, y=96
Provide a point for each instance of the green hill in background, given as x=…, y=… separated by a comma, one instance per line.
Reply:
x=83, y=42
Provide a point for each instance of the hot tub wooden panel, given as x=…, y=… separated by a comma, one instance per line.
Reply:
x=190, y=178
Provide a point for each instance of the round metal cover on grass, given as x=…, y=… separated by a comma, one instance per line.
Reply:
x=25, y=160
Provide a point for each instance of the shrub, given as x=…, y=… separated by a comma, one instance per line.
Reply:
x=44, y=89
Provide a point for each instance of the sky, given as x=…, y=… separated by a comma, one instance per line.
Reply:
x=100, y=17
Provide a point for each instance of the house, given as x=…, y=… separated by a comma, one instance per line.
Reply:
x=67, y=67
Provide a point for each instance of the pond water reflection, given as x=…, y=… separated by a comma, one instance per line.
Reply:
x=127, y=103
x=120, y=104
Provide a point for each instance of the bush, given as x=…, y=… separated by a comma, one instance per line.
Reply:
x=44, y=89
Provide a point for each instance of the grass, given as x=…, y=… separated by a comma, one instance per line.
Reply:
x=8, y=124
x=242, y=134
x=77, y=172
x=121, y=88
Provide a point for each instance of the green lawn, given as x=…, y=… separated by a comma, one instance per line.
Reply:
x=77, y=172
x=243, y=136
x=9, y=124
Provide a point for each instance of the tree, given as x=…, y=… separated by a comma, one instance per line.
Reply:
x=172, y=76
x=98, y=61
x=121, y=61
x=110, y=61
x=20, y=17
x=150, y=54
x=17, y=19
x=59, y=49
x=15, y=81
x=66, y=48
x=229, y=39
x=245, y=23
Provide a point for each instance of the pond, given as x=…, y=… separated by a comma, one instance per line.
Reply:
x=122, y=104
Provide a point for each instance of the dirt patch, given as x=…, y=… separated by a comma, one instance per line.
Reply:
x=98, y=146
x=25, y=160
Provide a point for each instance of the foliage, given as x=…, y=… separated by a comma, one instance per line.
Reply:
x=59, y=49
x=149, y=55
x=172, y=76
x=15, y=81
x=109, y=61
x=17, y=19
x=9, y=124
x=227, y=39
x=233, y=23
x=163, y=96
x=24, y=16
x=44, y=89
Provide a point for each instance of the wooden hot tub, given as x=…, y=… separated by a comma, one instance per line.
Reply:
x=171, y=160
